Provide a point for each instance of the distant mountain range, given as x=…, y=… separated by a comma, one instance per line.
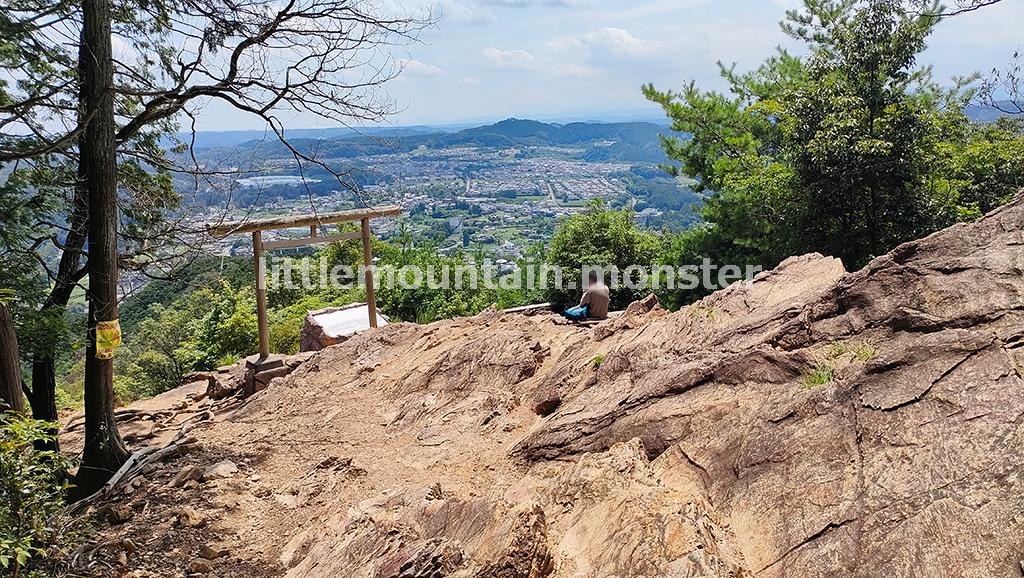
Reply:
x=625, y=141
x=635, y=141
x=520, y=132
x=207, y=139
x=986, y=113
x=213, y=139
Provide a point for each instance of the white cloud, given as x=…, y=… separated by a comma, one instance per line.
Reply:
x=511, y=3
x=616, y=41
x=996, y=26
x=510, y=59
x=463, y=12
x=657, y=11
x=525, y=61
x=530, y=3
x=123, y=50
x=413, y=67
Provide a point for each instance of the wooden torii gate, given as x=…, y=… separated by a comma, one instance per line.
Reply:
x=257, y=226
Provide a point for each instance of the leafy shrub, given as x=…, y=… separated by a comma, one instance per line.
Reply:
x=846, y=147
x=286, y=322
x=432, y=299
x=32, y=490
x=150, y=373
x=604, y=238
x=231, y=326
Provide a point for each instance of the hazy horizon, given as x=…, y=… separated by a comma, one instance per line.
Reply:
x=654, y=115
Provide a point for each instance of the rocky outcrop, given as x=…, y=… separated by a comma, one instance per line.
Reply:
x=809, y=422
x=247, y=376
x=845, y=423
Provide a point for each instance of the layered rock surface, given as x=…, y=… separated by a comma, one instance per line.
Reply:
x=810, y=422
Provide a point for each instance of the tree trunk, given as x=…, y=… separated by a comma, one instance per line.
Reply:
x=43, y=395
x=43, y=398
x=104, y=450
x=10, y=364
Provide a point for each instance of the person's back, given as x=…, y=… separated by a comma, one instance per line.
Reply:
x=596, y=298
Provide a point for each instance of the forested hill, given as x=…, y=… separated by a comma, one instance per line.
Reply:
x=518, y=132
x=626, y=141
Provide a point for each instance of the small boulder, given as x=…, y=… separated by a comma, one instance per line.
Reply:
x=228, y=380
x=546, y=399
x=294, y=361
x=116, y=513
x=220, y=470
x=188, y=517
x=262, y=370
x=134, y=484
x=212, y=552
x=645, y=305
x=186, y=474
x=263, y=378
x=200, y=566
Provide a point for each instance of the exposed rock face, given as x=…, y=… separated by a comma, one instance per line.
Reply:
x=248, y=376
x=810, y=422
x=902, y=461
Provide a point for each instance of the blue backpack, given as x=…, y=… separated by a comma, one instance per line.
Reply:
x=578, y=313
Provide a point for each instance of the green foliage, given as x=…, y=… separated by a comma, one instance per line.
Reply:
x=605, y=238
x=837, y=349
x=32, y=491
x=166, y=331
x=33, y=62
x=231, y=327
x=702, y=312
x=820, y=374
x=348, y=252
x=597, y=361
x=40, y=98
x=162, y=347
x=435, y=298
x=196, y=331
x=978, y=166
x=690, y=248
x=847, y=151
x=863, y=351
x=202, y=273
x=26, y=196
x=286, y=322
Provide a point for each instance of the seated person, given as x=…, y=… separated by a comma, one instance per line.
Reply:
x=595, y=300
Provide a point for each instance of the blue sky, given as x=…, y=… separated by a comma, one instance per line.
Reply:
x=492, y=59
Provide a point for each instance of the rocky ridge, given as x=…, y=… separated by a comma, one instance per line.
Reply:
x=810, y=422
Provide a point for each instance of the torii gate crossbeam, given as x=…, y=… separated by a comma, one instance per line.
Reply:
x=257, y=226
